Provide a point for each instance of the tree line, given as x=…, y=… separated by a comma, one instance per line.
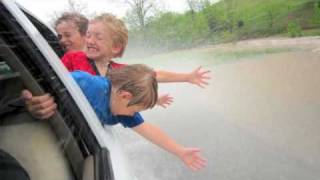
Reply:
x=154, y=30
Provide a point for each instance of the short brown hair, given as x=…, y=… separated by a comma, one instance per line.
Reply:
x=117, y=28
x=139, y=80
x=78, y=19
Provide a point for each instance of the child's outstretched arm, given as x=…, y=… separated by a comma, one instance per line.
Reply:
x=190, y=156
x=198, y=77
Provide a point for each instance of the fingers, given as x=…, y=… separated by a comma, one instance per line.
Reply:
x=44, y=107
x=200, y=77
x=204, y=75
x=38, y=100
x=46, y=113
x=165, y=100
x=194, y=150
x=165, y=104
x=197, y=165
x=26, y=94
x=202, y=84
x=168, y=100
x=198, y=162
x=194, y=160
x=202, y=80
x=41, y=107
x=198, y=69
x=205, y=72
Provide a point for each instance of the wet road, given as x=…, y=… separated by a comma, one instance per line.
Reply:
x=259, y=119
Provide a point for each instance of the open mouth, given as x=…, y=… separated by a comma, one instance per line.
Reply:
x=92, y=49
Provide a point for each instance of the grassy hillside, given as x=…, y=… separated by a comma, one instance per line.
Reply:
x=265, y=17
x=228, y=20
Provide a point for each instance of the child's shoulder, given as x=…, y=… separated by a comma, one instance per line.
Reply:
x=88, y=81
x=78, y=73
x=85, y=76
x=116, y=65
x=75, y=56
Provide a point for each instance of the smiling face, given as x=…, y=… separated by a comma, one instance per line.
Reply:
x=69, y=36
x=99, y=45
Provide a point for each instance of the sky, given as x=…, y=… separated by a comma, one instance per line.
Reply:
x=45, y=9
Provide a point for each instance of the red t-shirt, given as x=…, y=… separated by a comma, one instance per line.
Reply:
x=78, y=60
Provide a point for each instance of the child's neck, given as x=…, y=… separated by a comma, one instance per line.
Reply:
x=102, y=66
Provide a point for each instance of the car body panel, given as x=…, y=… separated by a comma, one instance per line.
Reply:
x=104, y=134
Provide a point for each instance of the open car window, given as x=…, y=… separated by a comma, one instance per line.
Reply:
x=84, y=150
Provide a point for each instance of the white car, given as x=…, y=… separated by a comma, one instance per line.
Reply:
x=72, y=145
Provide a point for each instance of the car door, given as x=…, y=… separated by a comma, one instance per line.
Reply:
x=70, y=145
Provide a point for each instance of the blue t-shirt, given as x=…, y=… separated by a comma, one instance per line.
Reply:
x=97, y=89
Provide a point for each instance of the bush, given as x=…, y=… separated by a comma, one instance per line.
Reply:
x=294, y=29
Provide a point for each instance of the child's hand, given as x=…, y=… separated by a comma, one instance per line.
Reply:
x=164, y=100
x=192, y=158
x=199, y=77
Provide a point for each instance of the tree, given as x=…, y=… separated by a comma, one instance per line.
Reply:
x=76, y=6
x=271, y=13
x=72, y=6
x=230, y=14
x=198, y=5
x=140, y=11
x=316, y=9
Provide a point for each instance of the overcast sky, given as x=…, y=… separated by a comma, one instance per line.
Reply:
x=44, y=9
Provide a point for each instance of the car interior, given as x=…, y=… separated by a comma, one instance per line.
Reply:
x=62, y=147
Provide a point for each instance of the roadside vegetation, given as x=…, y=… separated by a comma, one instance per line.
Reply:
x=207, y=23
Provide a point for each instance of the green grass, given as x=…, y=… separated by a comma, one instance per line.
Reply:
x=311, y=32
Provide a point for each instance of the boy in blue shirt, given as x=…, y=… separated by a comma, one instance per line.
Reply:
x=119, y=97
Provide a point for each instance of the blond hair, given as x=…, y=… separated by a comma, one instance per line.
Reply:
x=137, y=79
x=78, y=19
x=117, y=28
